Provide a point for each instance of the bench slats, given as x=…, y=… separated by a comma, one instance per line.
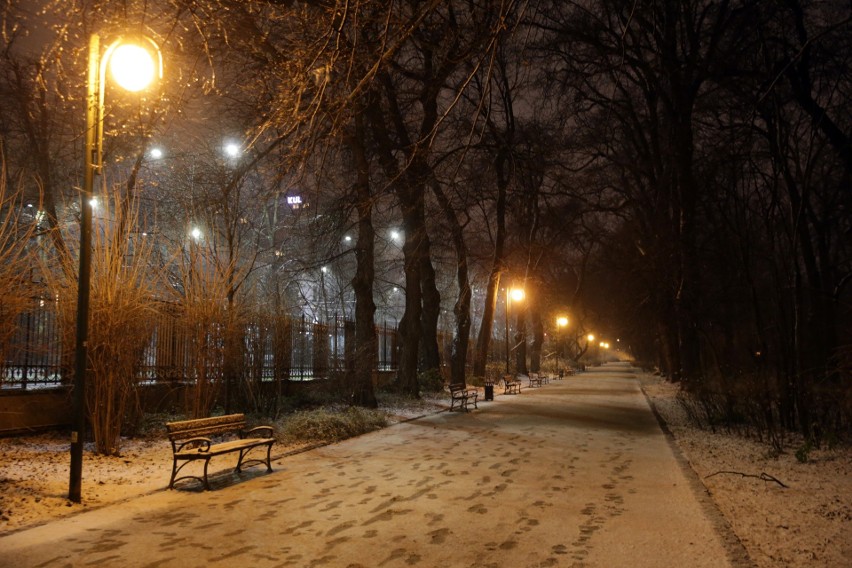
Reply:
x=205, y=426
x=222, y=448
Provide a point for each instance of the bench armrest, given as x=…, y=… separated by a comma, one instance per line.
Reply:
x=203, y=444
x=264, y=431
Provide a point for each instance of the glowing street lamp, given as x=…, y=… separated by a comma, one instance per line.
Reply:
x=232, y=149
x=561, y=322
x=516, y=294
x=134, y=62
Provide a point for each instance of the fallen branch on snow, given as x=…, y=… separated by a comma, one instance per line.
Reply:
x=763, y=476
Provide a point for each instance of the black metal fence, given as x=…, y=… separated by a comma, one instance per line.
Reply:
x=277, y=347
x=34, y=357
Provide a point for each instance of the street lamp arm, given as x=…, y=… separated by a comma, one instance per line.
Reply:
x=98, y=83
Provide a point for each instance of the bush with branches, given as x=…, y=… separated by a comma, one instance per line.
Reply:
x=16, y=263
x=121, y=316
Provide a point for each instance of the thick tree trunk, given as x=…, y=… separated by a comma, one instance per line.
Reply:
x=408, y=187
x=461, y=309
x=413, y=223
x=430, y=356
x=538, y=340
x=483, y=340
x=498, y=263
x=364, y=353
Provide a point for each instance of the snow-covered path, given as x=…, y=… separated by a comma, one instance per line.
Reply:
x=575, y=473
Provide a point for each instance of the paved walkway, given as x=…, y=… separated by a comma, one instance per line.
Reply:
x=576, y=473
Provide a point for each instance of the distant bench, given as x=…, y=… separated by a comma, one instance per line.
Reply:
x=536, y=380
x=191, y=442
x=511, y=385
x=463, y=396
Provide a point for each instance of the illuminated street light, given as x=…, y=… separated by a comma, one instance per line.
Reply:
x=132, y=66
x=561, y=322
x=156, y=153
x=232, y=150
x=134, y=63
x=590, y=337
x=196, y=233
x=516, y=294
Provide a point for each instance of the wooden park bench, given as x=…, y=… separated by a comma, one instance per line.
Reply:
x=511, y=385
x=191, y=441
x=463, y=396
x=535, y=379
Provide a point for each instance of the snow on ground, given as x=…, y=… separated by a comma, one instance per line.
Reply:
x=808, y=523
x=35, y=471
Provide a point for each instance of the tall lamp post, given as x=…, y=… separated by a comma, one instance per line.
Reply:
x=561, y=322
x=516, y=294
x=133, y=67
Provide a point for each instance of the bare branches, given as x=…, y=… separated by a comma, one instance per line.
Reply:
x=763, y=476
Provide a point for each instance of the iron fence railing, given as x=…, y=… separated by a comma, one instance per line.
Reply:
x=273, y=348
x=34, y=357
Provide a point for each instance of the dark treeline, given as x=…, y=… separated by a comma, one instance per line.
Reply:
x=671, y=174
x=722, y=129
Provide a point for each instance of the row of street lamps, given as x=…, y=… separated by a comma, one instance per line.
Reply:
x=517, y=295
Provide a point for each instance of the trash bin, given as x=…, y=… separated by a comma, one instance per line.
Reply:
x=489, y=391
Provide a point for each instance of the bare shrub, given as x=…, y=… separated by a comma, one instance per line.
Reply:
x=745, y=404
x=495, y=370
x=121, y=310
x=256, y=338
x=329, y=425
x=211, y=319
x=17, y=229
x=269, y=333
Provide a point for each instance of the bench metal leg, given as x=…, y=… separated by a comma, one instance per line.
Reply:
x=175, y=470
x=206, y=484
x=245, y=451
x=174, y=473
